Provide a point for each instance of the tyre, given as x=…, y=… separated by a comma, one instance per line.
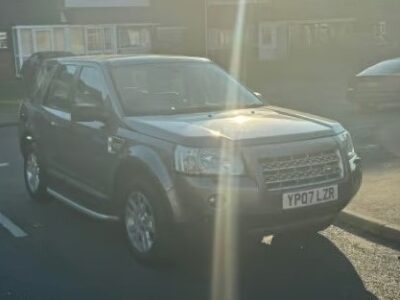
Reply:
x=34, y=174
x=147, y=222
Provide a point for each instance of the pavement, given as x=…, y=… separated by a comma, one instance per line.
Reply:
x=65, y=255
x=376, y=207
x=8, y=112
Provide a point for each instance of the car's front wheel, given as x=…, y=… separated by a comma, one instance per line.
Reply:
x=146, y=222
x=34, y=174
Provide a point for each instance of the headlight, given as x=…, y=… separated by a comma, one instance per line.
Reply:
x=206, y=161
x=347, y=144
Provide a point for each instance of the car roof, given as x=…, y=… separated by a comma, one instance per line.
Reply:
x=386, y=67
x=129, y=59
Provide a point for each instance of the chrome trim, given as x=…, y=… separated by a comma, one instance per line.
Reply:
x=80, y=186
x=81, y=208
x=265, y=170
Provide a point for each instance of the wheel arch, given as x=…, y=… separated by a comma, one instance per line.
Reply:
x=143, y=161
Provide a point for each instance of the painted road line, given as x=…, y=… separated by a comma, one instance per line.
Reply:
x=11, y=227
x=2, y=165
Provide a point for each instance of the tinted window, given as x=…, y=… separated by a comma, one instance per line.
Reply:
x=91, y=87
x=42, y=81
x=60, y=88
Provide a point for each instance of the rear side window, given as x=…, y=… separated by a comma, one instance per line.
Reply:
x=91, y=87
x=60, y=88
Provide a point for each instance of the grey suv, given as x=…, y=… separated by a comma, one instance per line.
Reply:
x=165, y=144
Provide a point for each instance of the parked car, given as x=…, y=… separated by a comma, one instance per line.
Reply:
x=32, y=65
x=377, y=86
x=163, y=144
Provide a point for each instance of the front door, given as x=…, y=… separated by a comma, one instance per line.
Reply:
x=88, y=158
x=56, y=108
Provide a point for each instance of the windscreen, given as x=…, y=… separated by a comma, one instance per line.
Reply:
x=173, y=88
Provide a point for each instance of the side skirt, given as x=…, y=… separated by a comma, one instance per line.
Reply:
x=80, y=208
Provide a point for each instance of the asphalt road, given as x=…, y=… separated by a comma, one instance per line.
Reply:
x=65, y=255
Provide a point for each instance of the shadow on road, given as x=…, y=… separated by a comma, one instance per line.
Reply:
x=316, y=269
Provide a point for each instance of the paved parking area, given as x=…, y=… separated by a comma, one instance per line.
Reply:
x=67, y=256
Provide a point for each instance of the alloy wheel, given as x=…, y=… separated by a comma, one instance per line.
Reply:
x=32, y=172
x=139, y=222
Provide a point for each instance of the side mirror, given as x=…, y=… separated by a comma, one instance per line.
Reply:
x=88, y=112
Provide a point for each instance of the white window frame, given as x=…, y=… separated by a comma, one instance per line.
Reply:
x=100, y=29
x=20, y=57
x=34, y=36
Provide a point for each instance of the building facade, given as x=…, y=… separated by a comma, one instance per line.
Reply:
x=87, y=27
x=270, y=30
x=13, y=13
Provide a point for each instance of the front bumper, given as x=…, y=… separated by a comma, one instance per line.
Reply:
x=255, y=209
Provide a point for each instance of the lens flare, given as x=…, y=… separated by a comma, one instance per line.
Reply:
x=225, y=250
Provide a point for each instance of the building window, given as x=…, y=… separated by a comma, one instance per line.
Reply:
x=95, y=39
x=219, y=39
x=99, y=40
x=3, y=40
x=43, y=40
x=132, y=38
x=108, y=39
x=77, y=40
x=26, y=42
x=59, y=39
x=268, y=35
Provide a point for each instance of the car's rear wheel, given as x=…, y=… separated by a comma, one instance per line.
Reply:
x=34, y=174
x=147, y=223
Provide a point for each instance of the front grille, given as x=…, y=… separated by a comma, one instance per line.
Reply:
x=302, y=170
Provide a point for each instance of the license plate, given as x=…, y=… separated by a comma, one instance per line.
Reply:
x=310, y=197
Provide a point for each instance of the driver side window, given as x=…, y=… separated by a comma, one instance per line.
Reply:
x=91, y=87
x=60, y=88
